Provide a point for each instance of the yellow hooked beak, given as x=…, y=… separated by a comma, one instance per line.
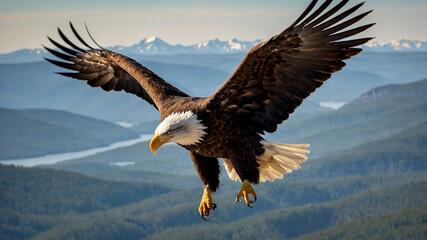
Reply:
x=158, y=141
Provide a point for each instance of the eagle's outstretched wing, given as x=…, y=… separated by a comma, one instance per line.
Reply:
x=109, y=70
x=277, y=75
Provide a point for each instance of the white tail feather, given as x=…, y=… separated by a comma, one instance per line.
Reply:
x=280, y=159
x=277, y=160
x=232, y=174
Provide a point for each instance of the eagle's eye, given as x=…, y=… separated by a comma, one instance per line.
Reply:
x=168, y=133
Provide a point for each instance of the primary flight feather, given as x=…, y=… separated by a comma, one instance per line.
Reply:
x=269, y=84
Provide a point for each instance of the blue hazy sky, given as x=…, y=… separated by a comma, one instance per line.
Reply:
x=25, y=24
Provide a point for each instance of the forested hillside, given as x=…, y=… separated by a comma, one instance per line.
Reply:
x=30, y=133
x=73, y=206
x=365, y=177
x=376, y=114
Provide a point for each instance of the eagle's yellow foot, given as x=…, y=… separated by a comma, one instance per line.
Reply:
x=206, y=204
x=244, y=192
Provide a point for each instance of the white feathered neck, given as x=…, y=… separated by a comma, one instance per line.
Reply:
x=184, y=127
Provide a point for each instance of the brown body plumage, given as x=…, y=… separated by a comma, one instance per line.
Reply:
x=272, y=80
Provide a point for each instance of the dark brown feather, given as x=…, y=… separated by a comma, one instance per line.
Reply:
x=269, y=84
x=78, y=36
x=63, y=64
x=317, y=12
x=347, y=23
x=208, y=170
x=105, y=69
x=67, y=50
x=306, y=11
x=58, y=54
x=339, y=17
x=328, y=14
x=290, y=66
x=69, y=42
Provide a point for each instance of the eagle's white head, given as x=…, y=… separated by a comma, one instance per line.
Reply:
x=183, y=128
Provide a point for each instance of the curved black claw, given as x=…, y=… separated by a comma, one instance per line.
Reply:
x=245, y=191
x=204, y=216
x=248, y=203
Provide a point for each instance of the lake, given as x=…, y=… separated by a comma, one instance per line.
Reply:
x=59, y=157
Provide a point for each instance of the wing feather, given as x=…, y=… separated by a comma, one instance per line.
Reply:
x=278, y=74
x=67, y=50
x=328, y=14
x=347, y=23
x=58, y=54
x=338, y=18
x=349, y=33
x=105, y=69
x=78, y=36
x=317, y=12
x=61, y=34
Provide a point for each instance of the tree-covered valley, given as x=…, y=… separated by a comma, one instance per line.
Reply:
x=365, y=177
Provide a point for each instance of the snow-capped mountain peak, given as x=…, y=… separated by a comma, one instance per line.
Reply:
x=151, y=45
x=396, y=45
x=156, y=46
x=218, y=46
x=151, y=39
x=236, y=44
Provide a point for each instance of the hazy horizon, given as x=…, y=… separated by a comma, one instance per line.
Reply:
x=26, y=24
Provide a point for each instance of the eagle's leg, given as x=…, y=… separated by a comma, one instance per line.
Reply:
x=246, y=166
x=206, y=204
x=245, y=191
x=208, y=170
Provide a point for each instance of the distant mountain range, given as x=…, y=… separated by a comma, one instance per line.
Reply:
x=365, y=177
x=156, y=46
x=34, y=85
x=373, y=184
x=396, y=45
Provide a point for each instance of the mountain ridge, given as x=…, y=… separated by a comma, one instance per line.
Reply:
x=37, y=132
x=396, y=45
x=157, y=46
x=295, y=206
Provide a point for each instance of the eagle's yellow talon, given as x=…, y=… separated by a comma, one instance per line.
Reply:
x=245, y=191
x=206, y=204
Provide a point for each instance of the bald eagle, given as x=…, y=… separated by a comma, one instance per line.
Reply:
x=272, y=80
